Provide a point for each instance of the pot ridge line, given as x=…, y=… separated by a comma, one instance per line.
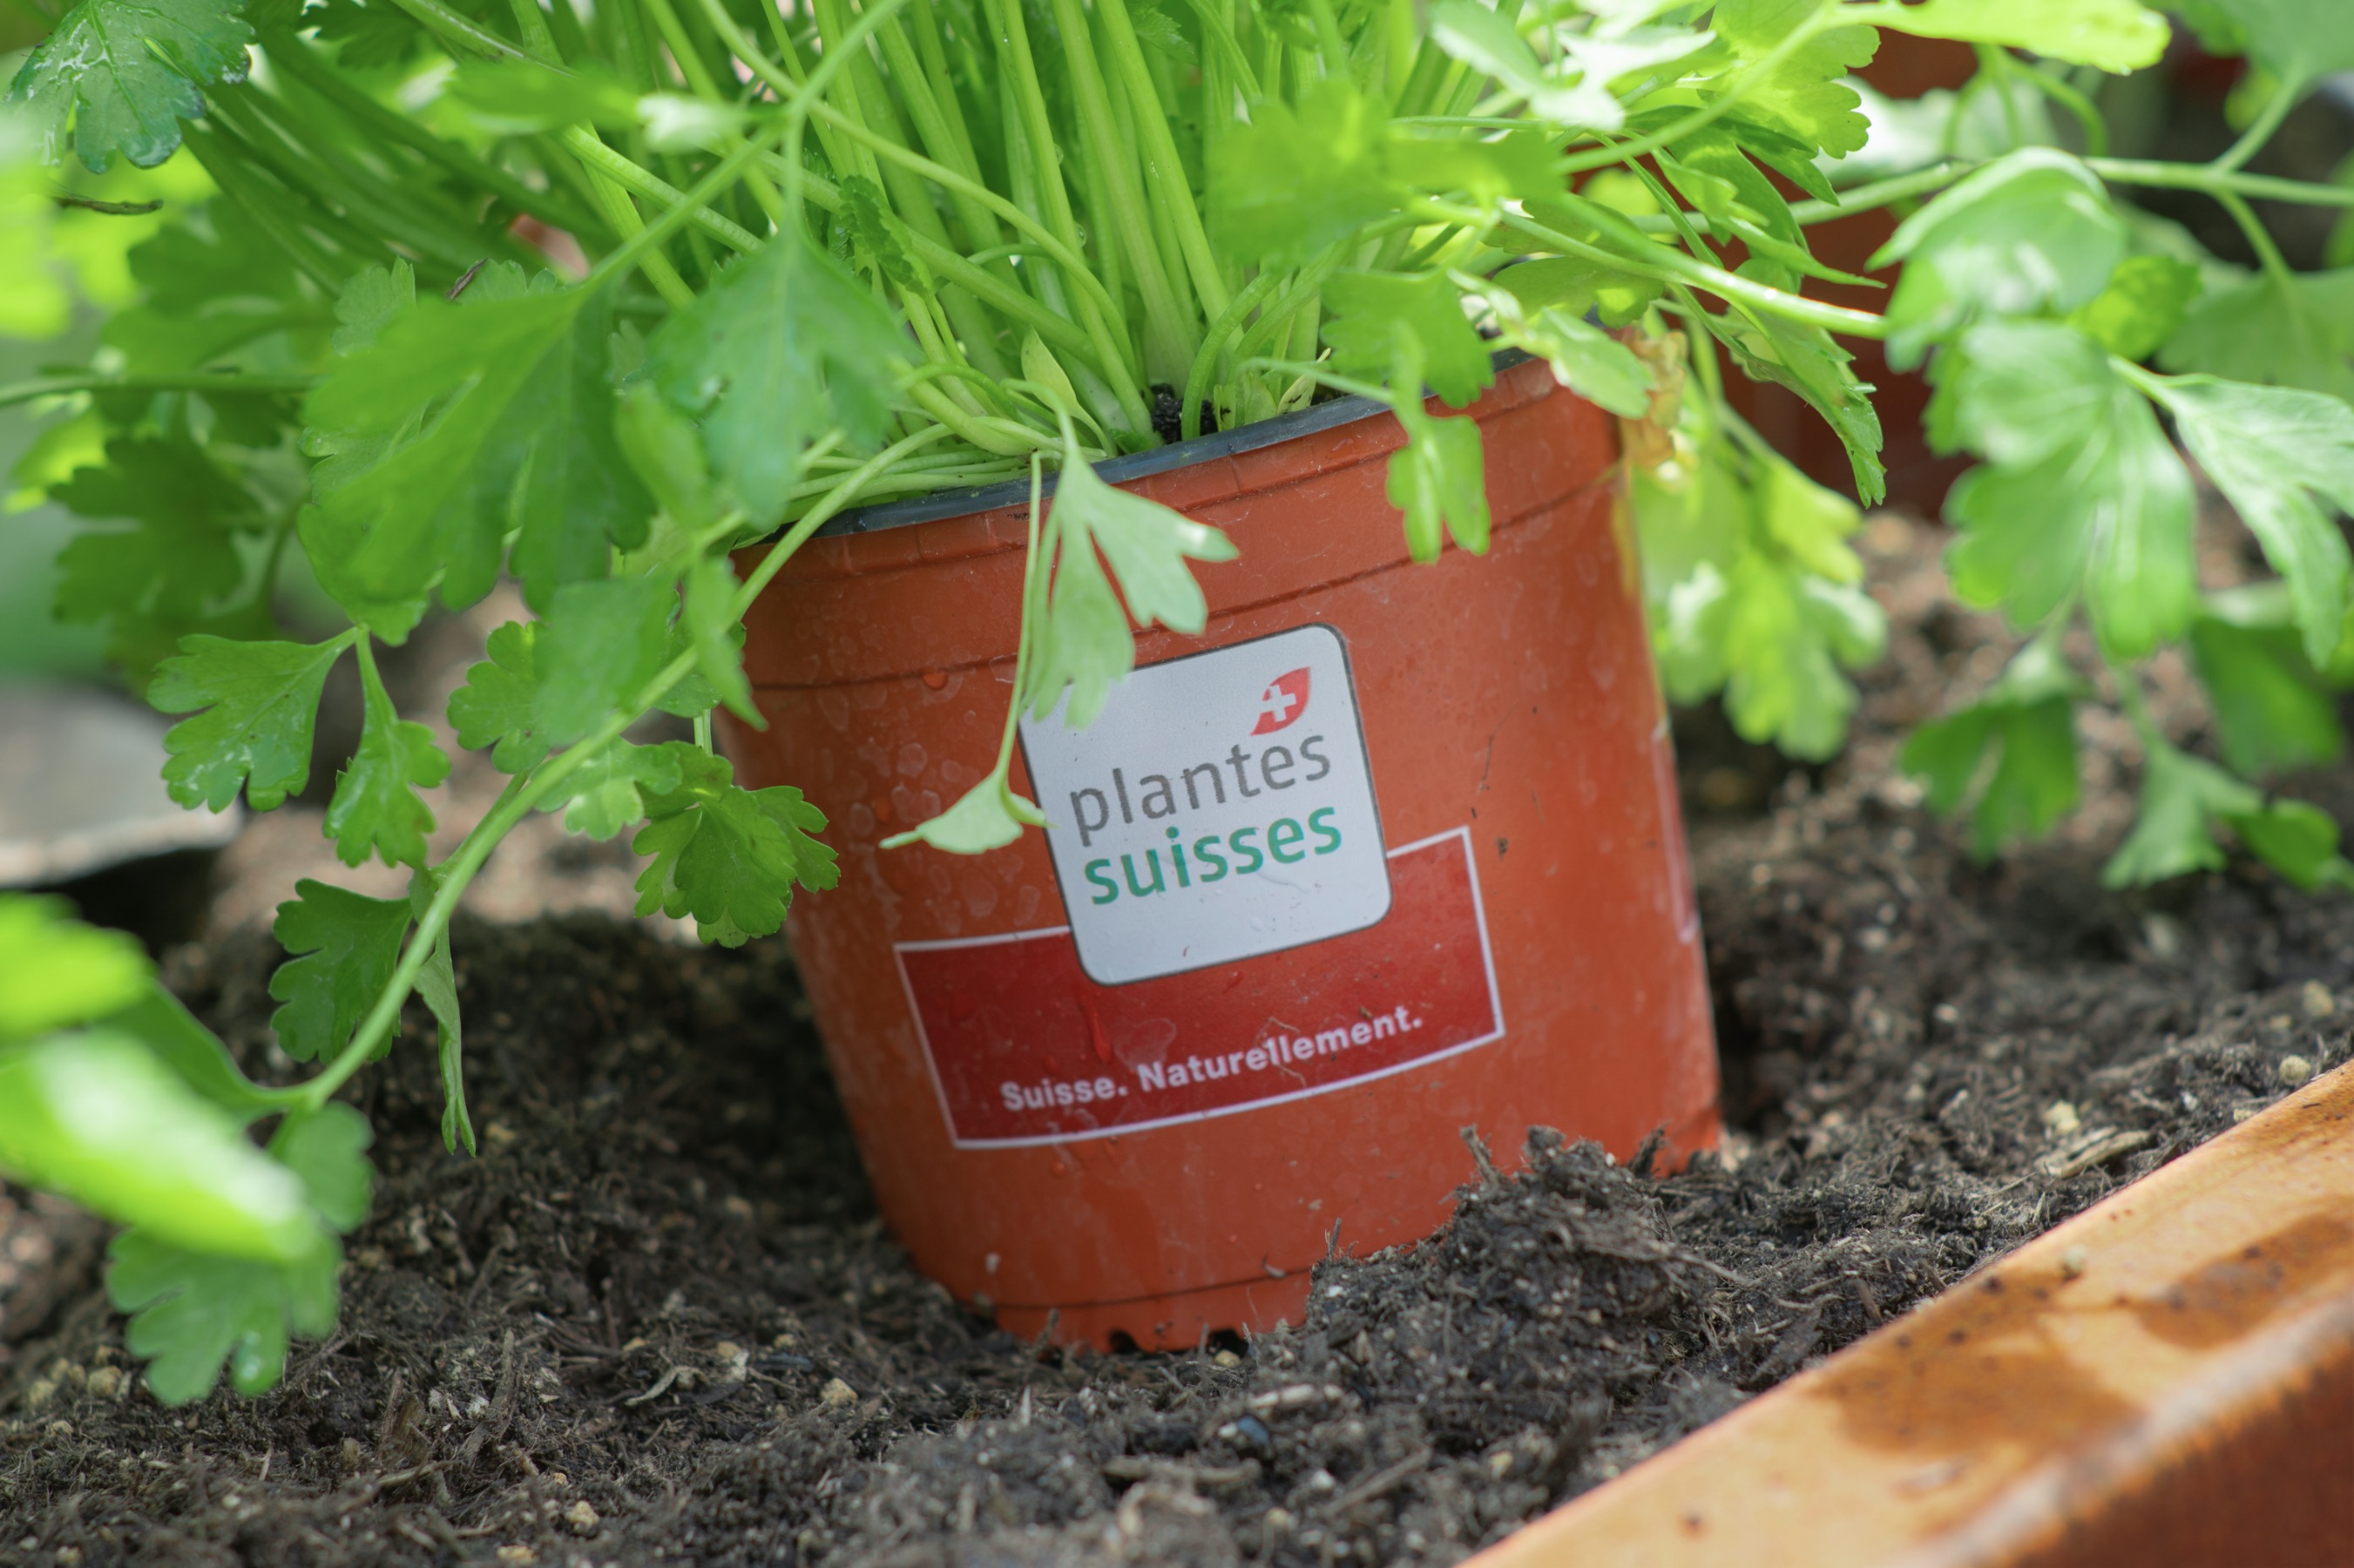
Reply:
x=1500, y=526
x=2165, y=1379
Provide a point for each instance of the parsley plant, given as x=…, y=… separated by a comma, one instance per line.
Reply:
x=418, y=296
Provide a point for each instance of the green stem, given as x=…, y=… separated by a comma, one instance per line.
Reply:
x=2268, y=254
x=177, y=381
x=1739, y=87
x=2259, y=132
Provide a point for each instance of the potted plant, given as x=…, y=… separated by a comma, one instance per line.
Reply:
x=652, y=309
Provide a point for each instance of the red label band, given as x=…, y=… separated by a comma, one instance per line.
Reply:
x=1025, y=1049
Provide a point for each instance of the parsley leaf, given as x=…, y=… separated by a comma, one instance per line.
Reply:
x=727, y=855
x=2299, y=41
x=601, y=642
x=1585, y=358
x=607, y=793
x=191, y=1311
x=2027, y=722
x=1774, y=626
x=2279, y=455
x=437, y=987
x=54, y=971
x=2031, y=231
x=327, y=1149
x=125, y=73
x=344, y=947
x=1809, y=362
x=374, y=809
x=2117, y=35
x=458, y=423
x=1296, y=179
x=2271, y=711
x=1806, y=96
x=1437, y=480
x=96, y=1118
x=988, y=816
x=787, y=343
x=1082, y=640
x=2295, y=334
x=2082, y=491
x=2143, y=304
x=708, y=615
x=259, y=701
x=1375, y=313
x=499, y=705
x=2180, y=795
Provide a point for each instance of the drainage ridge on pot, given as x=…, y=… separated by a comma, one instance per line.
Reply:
x=1390, y=850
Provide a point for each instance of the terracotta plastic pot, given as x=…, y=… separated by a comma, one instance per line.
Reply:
x=1391, y=851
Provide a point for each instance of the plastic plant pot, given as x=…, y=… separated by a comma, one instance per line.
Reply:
x=1390, y=851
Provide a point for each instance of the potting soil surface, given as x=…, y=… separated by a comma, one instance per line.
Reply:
x=659, y=1319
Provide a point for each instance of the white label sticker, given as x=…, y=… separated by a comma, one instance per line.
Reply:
x=1221, y=806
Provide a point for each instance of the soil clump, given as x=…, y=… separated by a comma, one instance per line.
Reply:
x=658, y=1319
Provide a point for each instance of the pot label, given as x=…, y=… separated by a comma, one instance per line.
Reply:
x=1221, y=807
x=1025, y=1048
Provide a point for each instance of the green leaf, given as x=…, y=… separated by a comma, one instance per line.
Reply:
x=786, y=345
x=1298, y=179
x=726, y=855
x=988, y=816
x=499, y=705
x=371, y=300
x=95, y=1116
x=330, y=540
x=437, y=987
x=2298, y=840
x=327, y=1149
x=169, y=575
x=1775, y=639
x=1572, y=288
x=607, y=792
x=881, y=239
x=160, y=1022
x=1439, y=482
x=191, y=1312
x=1809, y=362
x=2027, y=723
x=259, y=701
x=2082, y=493
x=1083, y=640
x=2281, y=456
x=1374, y=312
x=2143, y=304
x=2297, y=41
x=1585, y=358
x=125, y=73
x=600, y=644
x=374, y=809
x=2271, y=711
x=666, y=450
x=346, y=947
x=1804, y=97
x=2117, y=35
x=707, y=612
x=2295, y=334
x=2031, y=231
x=512, y=98
x=2180, y=795
x=54, y=971
x=457, y=424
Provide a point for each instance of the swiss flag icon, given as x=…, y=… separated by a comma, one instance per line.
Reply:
x=1285, y=699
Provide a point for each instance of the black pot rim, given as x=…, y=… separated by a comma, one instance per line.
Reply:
x=1344, y=410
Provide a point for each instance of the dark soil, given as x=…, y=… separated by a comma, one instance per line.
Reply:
x=658, y=1319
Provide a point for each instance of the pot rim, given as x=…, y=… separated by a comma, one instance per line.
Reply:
x=1343, y=411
